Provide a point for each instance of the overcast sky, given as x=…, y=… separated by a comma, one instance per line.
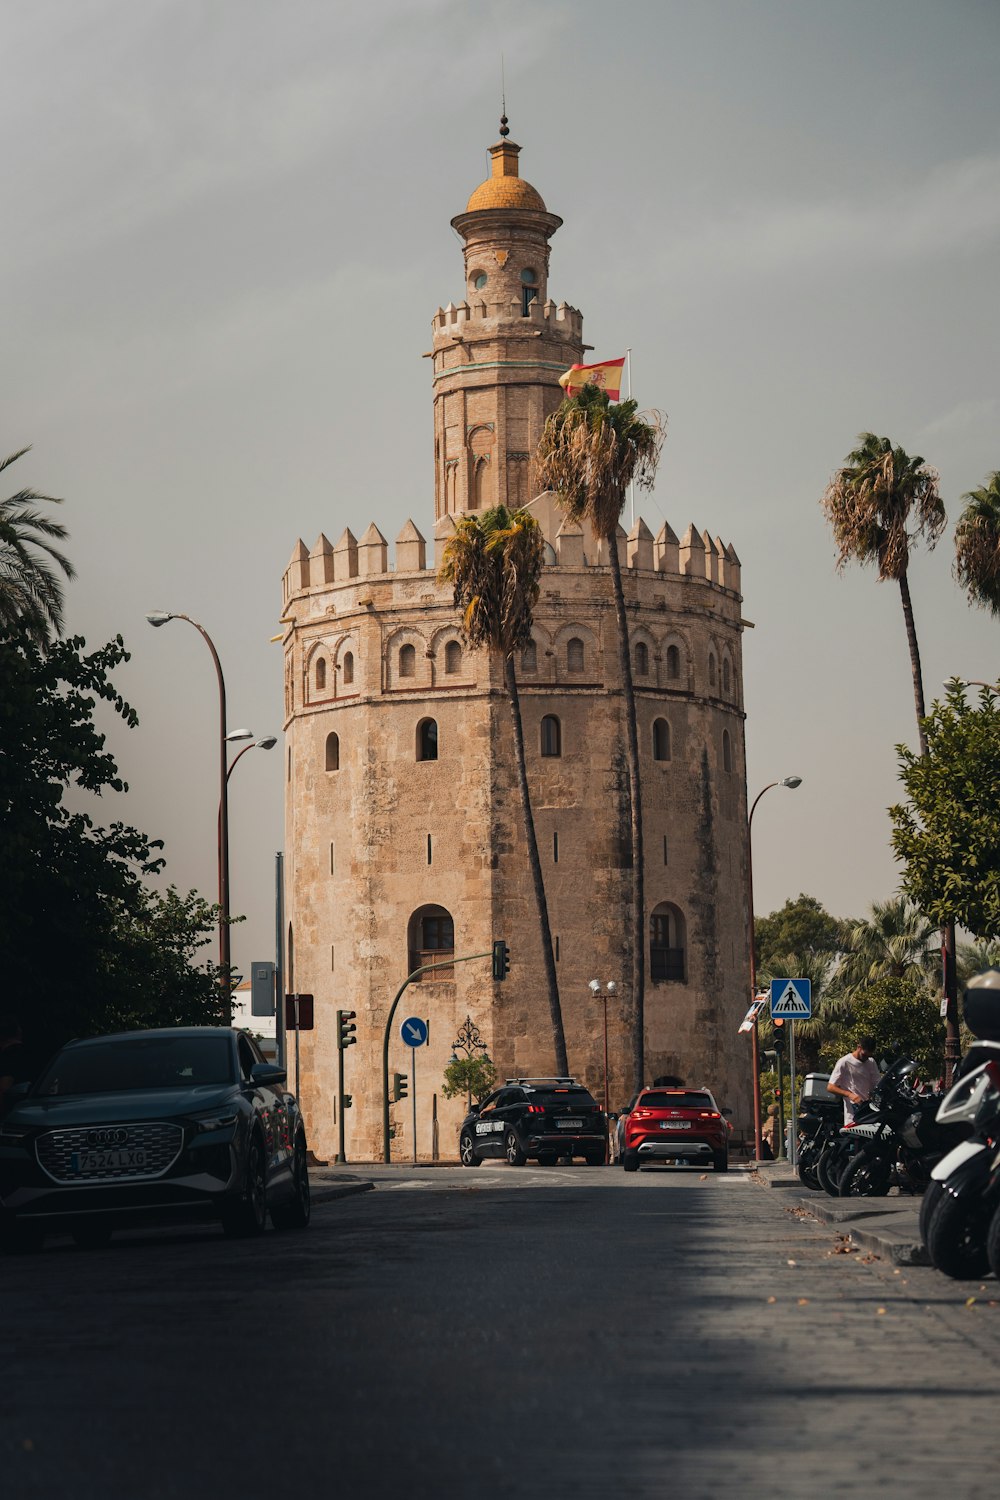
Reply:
x=227, y=230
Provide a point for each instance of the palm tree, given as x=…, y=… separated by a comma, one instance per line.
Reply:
x=30, y=592
x=589, y=454
x=894, y=942
x=878, y=504
x=977, y=544
x=493, y=562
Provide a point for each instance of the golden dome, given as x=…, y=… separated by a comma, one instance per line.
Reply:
x=505, y=188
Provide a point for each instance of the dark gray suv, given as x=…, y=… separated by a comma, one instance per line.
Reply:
x=546, y=1119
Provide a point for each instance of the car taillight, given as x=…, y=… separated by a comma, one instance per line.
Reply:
x=536, y=1109
x=710, y=1114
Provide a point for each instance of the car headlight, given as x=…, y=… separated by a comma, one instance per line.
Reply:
x=204, y=1123
x=13, y=1135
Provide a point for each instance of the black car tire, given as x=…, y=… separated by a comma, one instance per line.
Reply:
x=19, y=1238
x=956, y=1238
x=720, y=1161
x=512, y=1150
x=92, y=1235
x=630, y=1160
x=467, y=1151
x=993, y=1244
x=297, y=1210
x=248, y=1217
x=865, y=1177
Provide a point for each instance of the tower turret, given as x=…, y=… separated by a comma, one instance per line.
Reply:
x=499, y=353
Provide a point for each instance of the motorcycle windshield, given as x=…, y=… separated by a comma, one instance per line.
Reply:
x=963, y=1101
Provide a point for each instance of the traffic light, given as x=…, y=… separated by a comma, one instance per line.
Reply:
x=346, y=1028
x=348, y=1100
x=501, y=960
x=400, y=1083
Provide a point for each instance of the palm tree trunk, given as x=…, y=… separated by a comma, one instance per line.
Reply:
x=952, y=1043
x=555, y=1009
x=911, y=641
x=635, y=810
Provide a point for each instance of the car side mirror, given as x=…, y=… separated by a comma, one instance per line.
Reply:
x=612, y=1114
x=17, y=1091
x=266, y=1074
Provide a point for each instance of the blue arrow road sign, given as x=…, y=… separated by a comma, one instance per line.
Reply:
x=791, y=999
x=414, y=1031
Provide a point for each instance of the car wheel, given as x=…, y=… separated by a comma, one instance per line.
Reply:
x=865, y=1177
x=19, y=1238
x=956, y=1238
x=467, y=1151
x=93, y=1236
x=512, y=1150
x=248, y=1216
x=720, y=1161
x=630, y=1160
x=296, y=1212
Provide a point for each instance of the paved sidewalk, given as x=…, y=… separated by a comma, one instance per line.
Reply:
x=887, y=1226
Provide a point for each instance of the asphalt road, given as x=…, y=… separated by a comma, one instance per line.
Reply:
x=562, y=1332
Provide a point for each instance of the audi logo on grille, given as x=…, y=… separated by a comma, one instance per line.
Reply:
x=118, y=1136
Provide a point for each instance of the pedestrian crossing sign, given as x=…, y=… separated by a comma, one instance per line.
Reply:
x=791, y=999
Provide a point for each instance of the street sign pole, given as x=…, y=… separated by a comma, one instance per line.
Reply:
x=792, y=1111
x=413, y=1099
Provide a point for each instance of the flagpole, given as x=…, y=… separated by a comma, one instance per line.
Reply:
x=628, y=397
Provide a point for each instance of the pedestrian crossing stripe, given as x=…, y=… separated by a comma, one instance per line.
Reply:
x=791, y=999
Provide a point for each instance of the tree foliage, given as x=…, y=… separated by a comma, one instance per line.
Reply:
x=471, y=1077
x=896, y=1012
x=977, y=544
x=947, y=834
x=802, y=926
x=879, y=502
x=87, y=946
x=30, y=590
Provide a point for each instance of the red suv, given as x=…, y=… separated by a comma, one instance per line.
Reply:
x=667, y=1124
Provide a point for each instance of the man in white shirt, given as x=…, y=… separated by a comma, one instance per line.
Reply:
x=854, y=1076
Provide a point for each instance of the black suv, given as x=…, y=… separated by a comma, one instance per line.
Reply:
x=544, y=1118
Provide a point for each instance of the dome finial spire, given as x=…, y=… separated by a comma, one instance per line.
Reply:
x=504, y=128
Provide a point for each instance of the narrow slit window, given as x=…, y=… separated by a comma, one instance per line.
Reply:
x=555, y=848
x=661, y=739
x=574, y=655
x=430, y=849
x=665, y=859
x=333, y=958
x=333, y=862
x=557, y=948
x=407, y=661
x=551, y=736
x=348, y=668
x=320, y=675
x=332, y=752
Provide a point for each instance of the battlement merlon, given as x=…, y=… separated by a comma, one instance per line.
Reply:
x=487, y=319
x=572, y=547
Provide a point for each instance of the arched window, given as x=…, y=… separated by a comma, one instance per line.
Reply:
x=407, y=661
x=452, y=657
x=427, y=739
x=551, y=736
x=431, y=940
x=320, y=674
x=529, y=658
x=673, y=662
x=348, y=668
x=479, y=478
x=726, y=676
x=667, y=945
x=333, y=752
x=574, y=655
x=641, y=659
x=661, y=739
x=711, y=669
x=727, y=751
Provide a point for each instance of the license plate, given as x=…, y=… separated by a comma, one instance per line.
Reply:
x=570, y=1124
x=117, y=1160
x=675, y=1124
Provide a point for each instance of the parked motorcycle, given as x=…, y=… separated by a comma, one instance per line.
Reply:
x=819, y=1125
x=963, y=1197
x=902, y=1140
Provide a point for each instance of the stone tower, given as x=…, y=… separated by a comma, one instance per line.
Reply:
x=403, y=827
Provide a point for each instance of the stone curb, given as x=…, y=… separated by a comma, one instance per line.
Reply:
x=327, y=1191
x=894, y=1235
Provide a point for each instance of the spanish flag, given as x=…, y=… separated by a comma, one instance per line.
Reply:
x=608, y=376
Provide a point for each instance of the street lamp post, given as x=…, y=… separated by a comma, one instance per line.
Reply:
x=470, y=1039
x=610, y=989
x=156, y=619
x=791, y=782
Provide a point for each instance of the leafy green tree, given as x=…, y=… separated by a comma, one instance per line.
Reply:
x=475, y=1077
x=878, y=503
x=895, y=1011
x=30, y=591
x=590, y=452
x=494, y=562
x=802, y=926
x=947, y=834
x=86, y=946
x=977, y=544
